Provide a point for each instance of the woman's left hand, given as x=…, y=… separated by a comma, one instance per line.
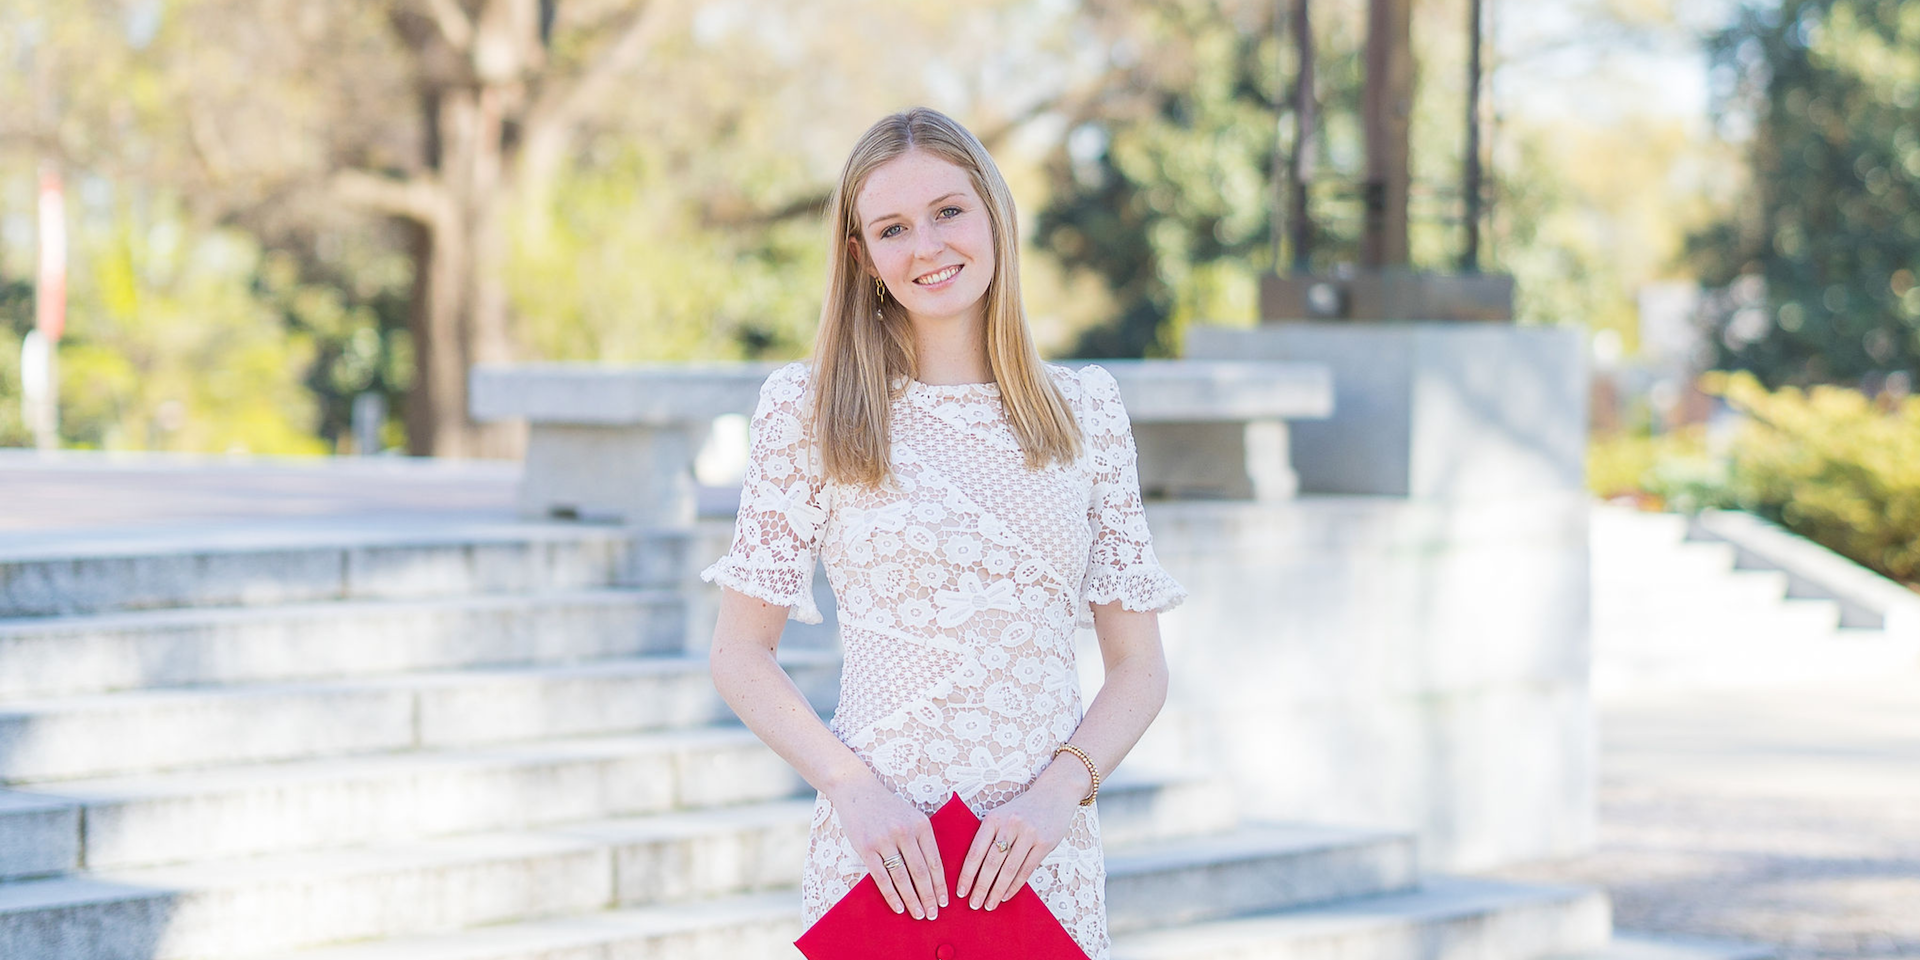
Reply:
x=1030, y=826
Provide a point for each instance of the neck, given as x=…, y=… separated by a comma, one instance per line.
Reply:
x=952, y=349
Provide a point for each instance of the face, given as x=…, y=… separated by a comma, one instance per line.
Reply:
x=927, y=236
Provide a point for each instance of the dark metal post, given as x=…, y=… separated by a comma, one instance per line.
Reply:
x=1470, y=189
x=1389, y=109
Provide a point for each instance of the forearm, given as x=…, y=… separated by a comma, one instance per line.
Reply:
x=1131, y=696
x=753, y=683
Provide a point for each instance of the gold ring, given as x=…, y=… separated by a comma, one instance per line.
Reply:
x=893, y=861
x=1000, y=845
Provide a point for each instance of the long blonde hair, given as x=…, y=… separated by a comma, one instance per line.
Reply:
x=857, y=355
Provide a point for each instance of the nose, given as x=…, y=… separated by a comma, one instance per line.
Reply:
x=927, y=243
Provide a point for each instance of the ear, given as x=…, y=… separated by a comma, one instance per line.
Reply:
x=854, y=251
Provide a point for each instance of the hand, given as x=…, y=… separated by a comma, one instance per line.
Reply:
x=1030, y=825
x=880, y=826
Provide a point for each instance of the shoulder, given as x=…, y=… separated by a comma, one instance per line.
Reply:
x=786, y=385
x=1083, y=382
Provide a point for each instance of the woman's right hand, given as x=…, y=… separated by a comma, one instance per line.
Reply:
x=880, y=825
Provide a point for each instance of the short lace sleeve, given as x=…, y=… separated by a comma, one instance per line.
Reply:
x=1122, y=565
x=783, y=503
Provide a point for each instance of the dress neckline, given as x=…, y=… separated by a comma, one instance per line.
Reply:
x=987, y=387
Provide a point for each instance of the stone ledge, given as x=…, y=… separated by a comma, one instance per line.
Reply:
x=618, y=442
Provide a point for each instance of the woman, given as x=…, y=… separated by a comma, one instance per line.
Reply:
x=972, y=505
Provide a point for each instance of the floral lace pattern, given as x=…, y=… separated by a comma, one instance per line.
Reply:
x=959, y=587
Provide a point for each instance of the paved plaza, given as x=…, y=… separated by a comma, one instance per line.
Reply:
x=1787, y=816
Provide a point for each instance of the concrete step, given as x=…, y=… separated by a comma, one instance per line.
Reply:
x=155, y=730
x=753, y=927
x=1446, y=917
x=170, y=569
x=1257, y=867
x=157, y=819
x=38, y=835
x=1627, y=945
x=59, y=656
x=1733, y=589
x=220, y=909
x=1659, y=565
x=1844, y=655
x=1716, y=628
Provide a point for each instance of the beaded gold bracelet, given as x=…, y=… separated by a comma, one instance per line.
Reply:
x=1092, y=770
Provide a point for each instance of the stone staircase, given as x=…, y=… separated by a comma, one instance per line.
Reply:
x=1672, y=611
x=491, y=743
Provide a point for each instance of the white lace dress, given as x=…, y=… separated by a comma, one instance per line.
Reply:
x=959, y=590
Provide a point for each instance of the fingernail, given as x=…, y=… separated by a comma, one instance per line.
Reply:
x=992, y=903
x=933, y=915
x=943, y=901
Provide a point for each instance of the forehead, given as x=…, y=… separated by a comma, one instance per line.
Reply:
x=908, y=183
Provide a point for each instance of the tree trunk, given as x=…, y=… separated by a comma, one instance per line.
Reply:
x=460, y=309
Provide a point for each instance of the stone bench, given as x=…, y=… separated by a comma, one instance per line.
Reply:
x=619, y=442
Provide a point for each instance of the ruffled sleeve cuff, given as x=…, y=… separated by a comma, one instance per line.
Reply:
x=1144, y=588
x=763, y=584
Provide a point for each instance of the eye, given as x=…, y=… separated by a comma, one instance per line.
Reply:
x=890, y=231
x=950, y=212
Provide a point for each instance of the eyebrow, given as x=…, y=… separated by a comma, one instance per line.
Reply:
x=889, y=216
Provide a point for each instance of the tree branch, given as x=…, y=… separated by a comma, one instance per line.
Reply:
x=418, y=198
x=562, y=102
x=1077, y=104
x=456, y=27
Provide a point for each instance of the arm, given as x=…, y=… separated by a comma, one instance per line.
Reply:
x=1035, y=822
x=877, y=822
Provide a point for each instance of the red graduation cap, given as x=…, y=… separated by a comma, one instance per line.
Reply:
x=862, y=927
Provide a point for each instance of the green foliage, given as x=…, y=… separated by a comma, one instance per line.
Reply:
x=170, y=346
x=1672, y=470
x=1833, y=227
x=1168, y=201
x=1832, y=465
x=623, y=269
x=1829, y=463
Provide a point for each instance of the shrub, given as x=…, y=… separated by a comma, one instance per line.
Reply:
x=1832, y=465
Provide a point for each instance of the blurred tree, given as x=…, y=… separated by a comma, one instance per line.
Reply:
x=1819, y=268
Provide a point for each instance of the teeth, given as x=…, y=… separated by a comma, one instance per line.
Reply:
x=940, y=277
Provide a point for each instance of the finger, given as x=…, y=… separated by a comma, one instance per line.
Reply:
x=883, y=880
x=1003, y=881
x=903, y=882
x=932, y=851
x=1025, y=872
x=976, y=855
x=922, y=891
x=989, y=871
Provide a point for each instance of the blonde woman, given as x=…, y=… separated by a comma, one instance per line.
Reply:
x=972, y=505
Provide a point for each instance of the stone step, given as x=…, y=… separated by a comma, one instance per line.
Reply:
x=1727, y=589
x=1627, y=945
x=1659, y=565
x=222, y=909
x=1257, y=867
x=157, y=819
x=753, y=927
x=98, y=735
x=143, y=572
x=60, y=656
x=1870, y=654
x=1445, y=917
x=1719, y=628
x=38, y=835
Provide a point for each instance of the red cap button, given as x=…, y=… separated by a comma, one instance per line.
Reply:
x=944, y=951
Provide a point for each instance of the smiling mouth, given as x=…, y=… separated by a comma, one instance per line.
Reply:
x=938, y=276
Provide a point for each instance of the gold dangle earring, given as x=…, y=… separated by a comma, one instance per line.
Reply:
x=879, y=299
